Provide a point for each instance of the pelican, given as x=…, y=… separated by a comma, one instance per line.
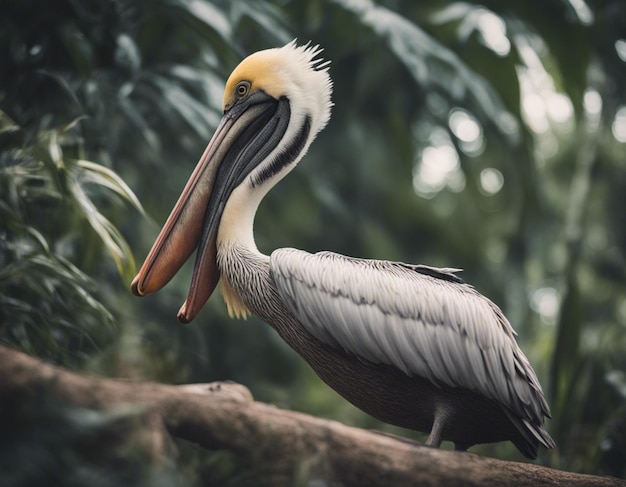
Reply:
x=411, y=345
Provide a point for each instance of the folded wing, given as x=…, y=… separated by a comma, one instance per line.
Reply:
x=423, y=320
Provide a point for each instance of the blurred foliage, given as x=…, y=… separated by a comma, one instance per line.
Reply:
x=489, y=136
x=44, y=443
x=47, y=304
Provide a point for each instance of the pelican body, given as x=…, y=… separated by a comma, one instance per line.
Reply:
x=411, y=345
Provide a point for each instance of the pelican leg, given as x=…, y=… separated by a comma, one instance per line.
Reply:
x=436, y=432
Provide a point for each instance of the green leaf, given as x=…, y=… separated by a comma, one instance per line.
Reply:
x=103, y=176
x=7, y=124
x=208, y=16
x=134, y=116
x=108, y=233
x=433, y=64
x=182, y=103
x=268, y=17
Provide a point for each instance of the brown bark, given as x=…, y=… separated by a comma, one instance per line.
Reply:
x=284, y=446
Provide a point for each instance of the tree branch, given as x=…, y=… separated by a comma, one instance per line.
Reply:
x=282, y=445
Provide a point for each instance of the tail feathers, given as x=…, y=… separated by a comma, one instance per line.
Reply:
x=532, y=436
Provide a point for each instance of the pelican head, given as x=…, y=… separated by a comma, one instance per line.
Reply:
x=275, y=103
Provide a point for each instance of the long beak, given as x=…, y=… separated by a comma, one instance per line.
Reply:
x=248, y=129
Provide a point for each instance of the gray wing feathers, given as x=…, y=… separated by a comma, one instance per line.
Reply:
x=423, y=320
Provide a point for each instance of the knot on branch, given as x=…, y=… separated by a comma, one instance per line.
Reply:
x=223, y=390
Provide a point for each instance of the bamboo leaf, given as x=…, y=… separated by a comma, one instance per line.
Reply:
x=103, y=176
x=54, y=148
x=108, y=233
x=71, y=124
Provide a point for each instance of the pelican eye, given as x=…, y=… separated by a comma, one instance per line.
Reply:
x=242, y=89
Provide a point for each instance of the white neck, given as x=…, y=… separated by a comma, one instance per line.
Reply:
x=237, y=222
x=236, y=231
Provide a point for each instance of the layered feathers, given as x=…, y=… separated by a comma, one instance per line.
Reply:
x=422, y=320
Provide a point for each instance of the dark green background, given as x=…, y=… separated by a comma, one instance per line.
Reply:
x=135, y=87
